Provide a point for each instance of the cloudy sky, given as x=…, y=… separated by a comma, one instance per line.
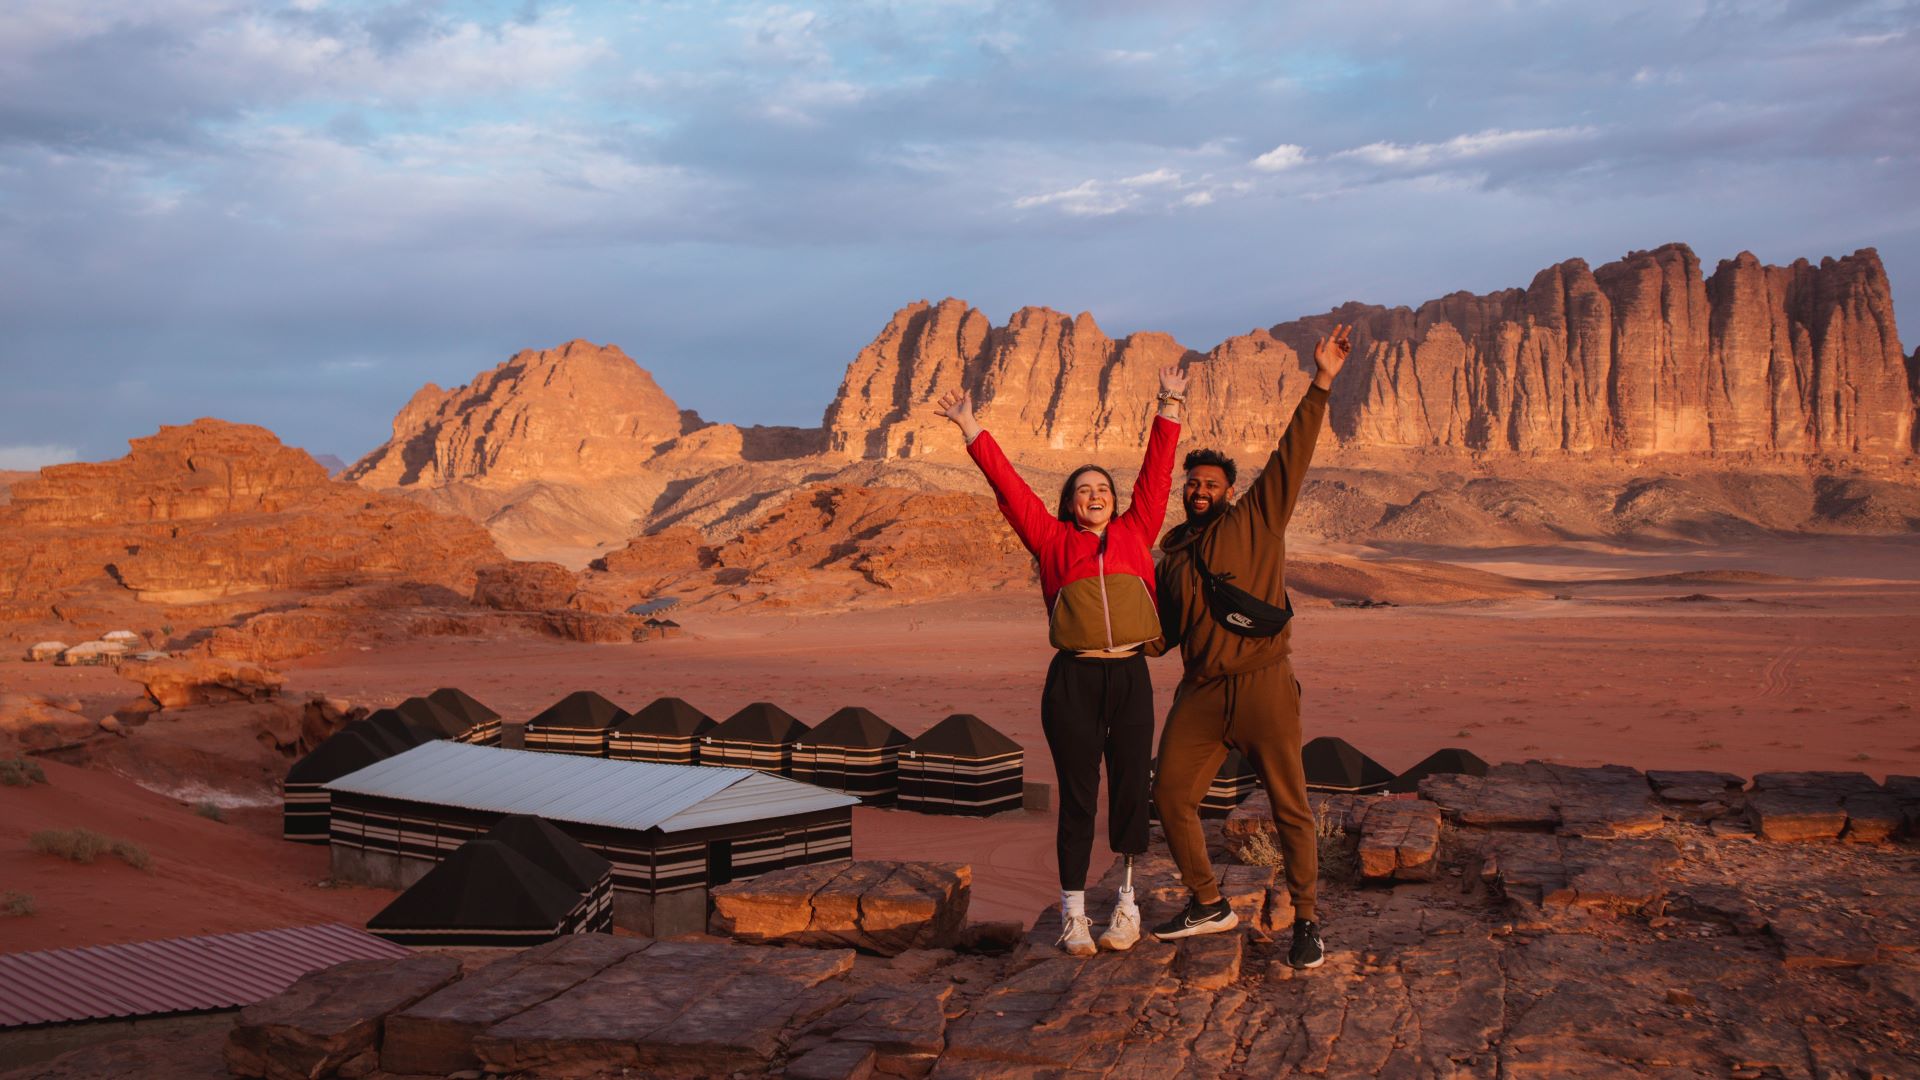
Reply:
x=296, y=214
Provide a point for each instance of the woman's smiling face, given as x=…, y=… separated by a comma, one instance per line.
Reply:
x=1092, y=499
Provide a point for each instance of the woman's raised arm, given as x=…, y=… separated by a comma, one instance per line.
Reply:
x=1018, y=504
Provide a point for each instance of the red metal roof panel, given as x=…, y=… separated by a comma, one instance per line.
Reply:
x=147, y=978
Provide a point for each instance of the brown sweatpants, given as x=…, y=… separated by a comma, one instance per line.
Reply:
x=1258, y=714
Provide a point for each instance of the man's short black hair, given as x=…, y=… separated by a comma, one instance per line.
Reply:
x=1216, y=459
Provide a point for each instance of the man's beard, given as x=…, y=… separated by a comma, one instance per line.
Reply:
x=1202, y=519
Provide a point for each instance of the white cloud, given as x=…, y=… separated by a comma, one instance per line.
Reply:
x=1087, y=199
x=1198, y=198
x=1461, y=147
x=1280, y=158
x=27, y=458
x=1156, y=178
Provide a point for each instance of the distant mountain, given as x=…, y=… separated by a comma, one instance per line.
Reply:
x=1583, y=379
x=1641, y=356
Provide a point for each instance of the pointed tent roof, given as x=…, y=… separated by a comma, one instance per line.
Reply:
x=463, y=705
x=544, y=845
x=483, y=885
x=855, y=728
x=667, y=716
x=963, y=735
x=431, y=716
x=345, y=751
x=580, y=709
x=1334, y=764
x=1451, y=759
x=760, y=722
x=393, y=730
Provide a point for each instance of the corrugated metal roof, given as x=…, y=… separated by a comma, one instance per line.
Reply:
x=176, y=975
x=636, y=795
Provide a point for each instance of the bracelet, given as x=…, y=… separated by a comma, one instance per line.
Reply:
x=1169, y=395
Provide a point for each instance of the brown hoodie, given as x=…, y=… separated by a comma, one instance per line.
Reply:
x=1248, y=541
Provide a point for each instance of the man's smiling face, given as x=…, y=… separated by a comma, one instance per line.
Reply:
x=1207, y=493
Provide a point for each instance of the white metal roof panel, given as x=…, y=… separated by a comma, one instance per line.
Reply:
x=637, y=795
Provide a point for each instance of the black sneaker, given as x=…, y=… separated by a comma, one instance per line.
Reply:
x=1307, y=951
x=1198, y=918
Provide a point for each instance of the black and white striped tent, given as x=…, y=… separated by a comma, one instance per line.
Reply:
x=961, y=766
x=562, y=856
x=430, y=716
x=483, y=894
x=1450, y=759
x=760, y=736
x=1334, y=764
x=668, y=730
x=576, y=724
x=670, y=831
x=852, y=751
x=483, y=724
x=304, y=803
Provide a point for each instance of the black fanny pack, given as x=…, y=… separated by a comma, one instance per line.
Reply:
x=1236, y=609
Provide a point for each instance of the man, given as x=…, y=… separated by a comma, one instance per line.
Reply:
x=1222, y=598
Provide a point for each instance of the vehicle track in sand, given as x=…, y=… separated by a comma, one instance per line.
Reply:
x=1778, y=677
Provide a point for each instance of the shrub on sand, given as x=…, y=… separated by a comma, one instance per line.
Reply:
x=211, y=811
x=19, y=772
x=16, y=903
x=85, y=845
x=74, y=845
x=133, y=854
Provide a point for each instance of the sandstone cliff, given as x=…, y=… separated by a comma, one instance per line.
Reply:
x=559, y=451
x=1641, y=356
x=212, y=509
x=580, y=410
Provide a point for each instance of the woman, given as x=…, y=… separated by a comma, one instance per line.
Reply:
x=1096, y=573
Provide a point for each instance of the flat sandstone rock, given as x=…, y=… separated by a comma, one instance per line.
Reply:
x=1400, y=840
x=435, y=1035
x=678, y=1007
x=331, y=1018
x=883, y=908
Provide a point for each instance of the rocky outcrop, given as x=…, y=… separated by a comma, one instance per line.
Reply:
x=1640, y=356
x=879, y=908
x=177, y=684
x=212, y=509
x=827, y=544
x=581, y=410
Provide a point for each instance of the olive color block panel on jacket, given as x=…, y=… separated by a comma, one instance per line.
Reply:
x=1103, y=613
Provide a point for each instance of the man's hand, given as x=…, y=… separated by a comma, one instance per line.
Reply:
x=957, y=406
x=1330, y=355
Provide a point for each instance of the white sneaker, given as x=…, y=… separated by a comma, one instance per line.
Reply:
x=1077, y=937
x=1122, y=930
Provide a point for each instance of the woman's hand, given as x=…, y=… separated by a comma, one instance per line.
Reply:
x=1173, y=388
x=1330, y=355
x=1173, y=380
x=957, y=406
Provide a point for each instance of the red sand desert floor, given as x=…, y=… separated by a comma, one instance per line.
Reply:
x=1815, y=673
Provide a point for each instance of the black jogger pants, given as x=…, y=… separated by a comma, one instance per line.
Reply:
x=1097, y=709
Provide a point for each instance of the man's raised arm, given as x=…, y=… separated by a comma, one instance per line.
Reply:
x=1274, y=493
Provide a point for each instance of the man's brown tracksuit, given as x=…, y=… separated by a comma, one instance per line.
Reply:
x=1238, y=691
